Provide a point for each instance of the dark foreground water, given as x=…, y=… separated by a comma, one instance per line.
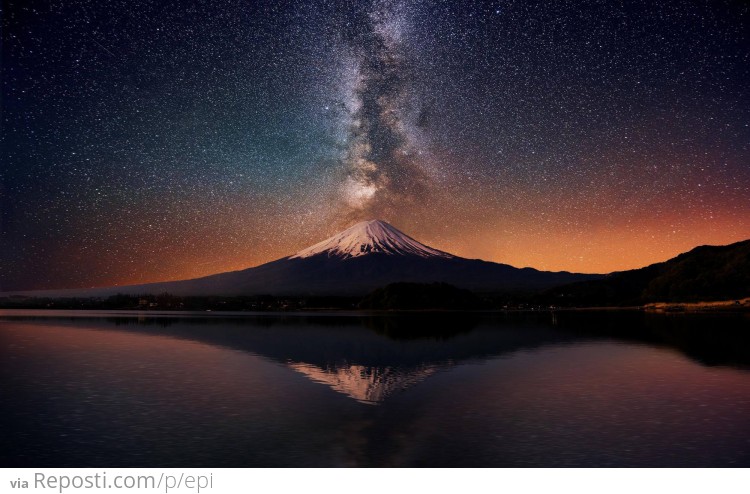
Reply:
x=572, y=389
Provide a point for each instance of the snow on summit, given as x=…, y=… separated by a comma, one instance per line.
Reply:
x=370, y=237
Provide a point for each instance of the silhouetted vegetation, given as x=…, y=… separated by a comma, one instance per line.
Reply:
x=421, y=296
x=166, y=301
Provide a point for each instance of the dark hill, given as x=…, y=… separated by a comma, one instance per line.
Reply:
x=704, y=273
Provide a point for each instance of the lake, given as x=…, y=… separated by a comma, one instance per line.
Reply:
x=565, y=389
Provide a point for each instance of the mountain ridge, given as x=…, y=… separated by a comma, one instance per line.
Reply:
x=364, y=257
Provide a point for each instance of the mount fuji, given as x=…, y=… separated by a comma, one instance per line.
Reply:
x=366, y=256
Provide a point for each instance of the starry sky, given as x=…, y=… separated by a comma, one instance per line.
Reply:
x=162, y=140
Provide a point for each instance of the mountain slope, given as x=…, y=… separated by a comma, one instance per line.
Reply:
x=704, y=273
x=354, y=262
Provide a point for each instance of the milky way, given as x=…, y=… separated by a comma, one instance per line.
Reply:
x=384, y=170
x=146, y=141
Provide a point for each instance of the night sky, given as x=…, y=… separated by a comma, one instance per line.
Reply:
x=162, y=140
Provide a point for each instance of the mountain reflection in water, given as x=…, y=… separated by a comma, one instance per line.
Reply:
x=441, y=389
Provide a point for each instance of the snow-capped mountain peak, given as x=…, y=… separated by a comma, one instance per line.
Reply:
x=370, y=237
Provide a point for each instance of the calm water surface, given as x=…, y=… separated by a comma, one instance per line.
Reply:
x=571, y=389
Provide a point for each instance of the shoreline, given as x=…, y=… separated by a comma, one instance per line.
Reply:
x=722, y=307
